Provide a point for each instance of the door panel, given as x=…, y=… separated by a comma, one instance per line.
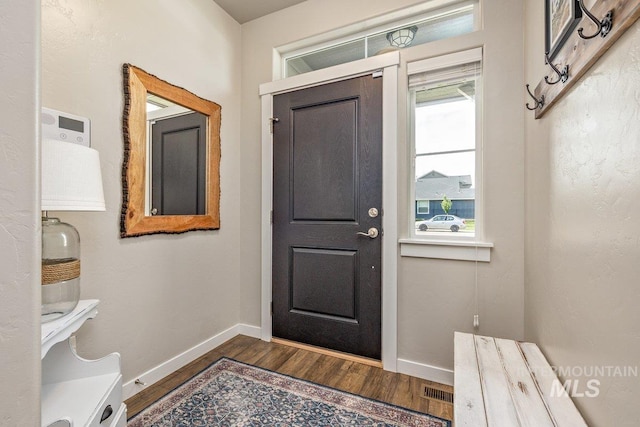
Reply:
x=323, y=282
x=178, y=170
x=327, y=175
x=318, y=165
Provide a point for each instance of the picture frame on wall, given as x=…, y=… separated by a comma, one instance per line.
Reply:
x=561, y=18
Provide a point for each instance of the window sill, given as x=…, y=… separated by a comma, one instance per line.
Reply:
x=446, y=249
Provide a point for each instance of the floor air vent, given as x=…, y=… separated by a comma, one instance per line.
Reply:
x=429, y=392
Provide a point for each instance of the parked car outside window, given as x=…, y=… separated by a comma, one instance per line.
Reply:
x=442, y=222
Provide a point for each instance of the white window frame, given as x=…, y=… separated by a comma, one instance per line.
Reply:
x=373, y=25
x=471, y=248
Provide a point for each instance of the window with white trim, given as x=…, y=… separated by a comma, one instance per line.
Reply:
x=445, y=94
x=446, y=19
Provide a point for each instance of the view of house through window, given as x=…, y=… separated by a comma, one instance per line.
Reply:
x=444, y=142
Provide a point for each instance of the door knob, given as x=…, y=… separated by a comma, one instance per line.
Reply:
x=371, y=233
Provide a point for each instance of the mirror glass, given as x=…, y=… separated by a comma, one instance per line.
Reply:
x=170, y=176
x=176, y=164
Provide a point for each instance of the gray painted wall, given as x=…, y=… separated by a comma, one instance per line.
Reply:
x=583, y=165
x=19, y=213
x=164, y=294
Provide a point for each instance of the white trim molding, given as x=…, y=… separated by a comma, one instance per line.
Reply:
x=388, y=63
x=390, y=218
x=267, y=206
x=157, y=373
x=445, y=61
x=446, y=249
x=428, y=372
x=335, y=73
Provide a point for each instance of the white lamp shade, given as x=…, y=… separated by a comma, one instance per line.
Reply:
x=71, y=178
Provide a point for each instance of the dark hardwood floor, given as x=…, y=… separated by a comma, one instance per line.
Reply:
x=375, y=383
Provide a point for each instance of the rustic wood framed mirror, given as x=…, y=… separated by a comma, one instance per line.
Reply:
x=171, y=165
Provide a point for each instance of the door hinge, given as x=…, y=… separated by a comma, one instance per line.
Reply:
x=271, y=308
x=377, y=74
x=272, y=121
x=271, y=217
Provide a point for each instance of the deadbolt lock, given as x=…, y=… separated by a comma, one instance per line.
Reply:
x=373, y=212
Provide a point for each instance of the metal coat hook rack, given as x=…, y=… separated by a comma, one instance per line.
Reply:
x=604, y=26
x=563, y=75
x=581, y=50
x=539, y=102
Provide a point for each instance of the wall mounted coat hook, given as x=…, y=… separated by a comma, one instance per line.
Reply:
x=563, y=75
x=539, y=102
x=604, y=26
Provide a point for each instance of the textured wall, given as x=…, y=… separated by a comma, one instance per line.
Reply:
x=435, y=297
x=583, y=199
x=19, y=216
x=163, y=294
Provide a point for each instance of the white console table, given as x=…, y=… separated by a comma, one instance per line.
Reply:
x=78, y=392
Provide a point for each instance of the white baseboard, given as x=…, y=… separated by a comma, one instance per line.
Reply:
x=428, y=372
x=154, y=375
x=248, y=330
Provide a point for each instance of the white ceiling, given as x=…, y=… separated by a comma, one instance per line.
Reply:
x=247, y=10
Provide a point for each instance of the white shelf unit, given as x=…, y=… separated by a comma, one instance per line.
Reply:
x=76, y=391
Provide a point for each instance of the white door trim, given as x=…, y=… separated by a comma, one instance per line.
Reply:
x=388, y=63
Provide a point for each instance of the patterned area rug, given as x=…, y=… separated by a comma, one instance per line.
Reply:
x=231, y=393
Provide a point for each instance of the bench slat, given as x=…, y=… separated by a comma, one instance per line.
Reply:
x=502, y=382
x=527, y=401
x=560, y=405
x=497, y=399
x=468, y=404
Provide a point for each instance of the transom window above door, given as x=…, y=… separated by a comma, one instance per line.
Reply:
x=451, y=19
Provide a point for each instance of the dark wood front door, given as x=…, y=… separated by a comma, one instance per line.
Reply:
x=327, y=184
x=178, y=168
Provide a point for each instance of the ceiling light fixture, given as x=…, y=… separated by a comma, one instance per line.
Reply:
x=402, y=37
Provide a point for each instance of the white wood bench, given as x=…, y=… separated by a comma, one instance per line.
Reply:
x=501, y=382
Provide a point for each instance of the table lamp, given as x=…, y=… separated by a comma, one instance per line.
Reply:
x=71, y=181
